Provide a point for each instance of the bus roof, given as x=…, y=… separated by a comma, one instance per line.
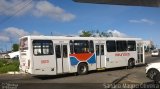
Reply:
x=78, y=38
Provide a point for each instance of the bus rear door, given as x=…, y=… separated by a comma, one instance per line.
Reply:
x=62, y=63
x=140, y=53
x=100, y=54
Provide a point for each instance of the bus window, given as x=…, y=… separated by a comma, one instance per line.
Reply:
x=131, y=46
x=81, y=46
x=47, y=48
x=42, y=47
x=37, y=48
x=121, y=45
x=24, y=44
x=111, y=46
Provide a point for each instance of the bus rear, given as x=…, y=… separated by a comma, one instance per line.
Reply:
x=37, y=55
x=24, y=54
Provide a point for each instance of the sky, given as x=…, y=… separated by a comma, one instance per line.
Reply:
x=65, y=17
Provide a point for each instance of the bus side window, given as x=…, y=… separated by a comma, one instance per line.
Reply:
x=81, y=46
x=111, y=46
x=85, y=50
x=37, y=48
x=42, y=47
x=121, y=45
x=131, y=46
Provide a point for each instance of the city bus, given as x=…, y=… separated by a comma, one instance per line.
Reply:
x=53, y=55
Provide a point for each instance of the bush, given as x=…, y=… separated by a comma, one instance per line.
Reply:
x=3, y=70
x=9, y=65
x=4, y=61
x=1, y=64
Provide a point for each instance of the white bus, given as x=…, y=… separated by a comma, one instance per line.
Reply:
x=52, y=55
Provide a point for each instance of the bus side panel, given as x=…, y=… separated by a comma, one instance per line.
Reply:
x=111, y=60
x=44, y=65
x=92, y=62
x=89, y=58
x=119, y=59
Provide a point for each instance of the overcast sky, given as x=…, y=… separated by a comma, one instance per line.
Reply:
x=65, y=17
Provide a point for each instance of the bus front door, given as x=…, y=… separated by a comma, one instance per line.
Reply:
x=140, y=53
x=62, y=64
x=100, y=55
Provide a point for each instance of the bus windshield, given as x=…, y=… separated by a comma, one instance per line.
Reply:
x=24, y=44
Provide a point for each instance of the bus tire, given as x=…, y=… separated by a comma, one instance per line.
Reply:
x=82, y=69
x=131, y=63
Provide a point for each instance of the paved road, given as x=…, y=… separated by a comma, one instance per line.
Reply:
x=101, y=79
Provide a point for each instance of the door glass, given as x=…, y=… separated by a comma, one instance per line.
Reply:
x=91, y=47
x=71, y=47
x=102, y=49
x=97, y=50
x=58, y=51
x=65, y=53
x=140, y=53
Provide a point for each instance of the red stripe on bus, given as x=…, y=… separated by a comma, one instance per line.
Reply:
x=82, y=56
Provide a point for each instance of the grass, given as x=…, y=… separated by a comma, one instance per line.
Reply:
x=7, y=65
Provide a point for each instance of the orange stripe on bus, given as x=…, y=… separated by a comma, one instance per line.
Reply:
x=82, y=56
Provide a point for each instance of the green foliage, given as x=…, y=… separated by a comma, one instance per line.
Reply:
x=95, y=33
x=7, y=68
x=15, y=47
x=86, y=34
x=1, y=64
x=102, y=34
x=3, y=61
x=8, y=65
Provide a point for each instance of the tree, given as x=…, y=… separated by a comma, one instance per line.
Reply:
x=15, y=47
x=95, y=33
x=109, y=34
x=86, y=34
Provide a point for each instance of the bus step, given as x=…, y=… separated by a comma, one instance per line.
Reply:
x=100, y=68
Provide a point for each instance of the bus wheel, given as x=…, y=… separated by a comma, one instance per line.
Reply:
x=82, y=69
x=131, y=63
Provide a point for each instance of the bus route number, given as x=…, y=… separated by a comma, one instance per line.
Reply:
x=44, y=61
